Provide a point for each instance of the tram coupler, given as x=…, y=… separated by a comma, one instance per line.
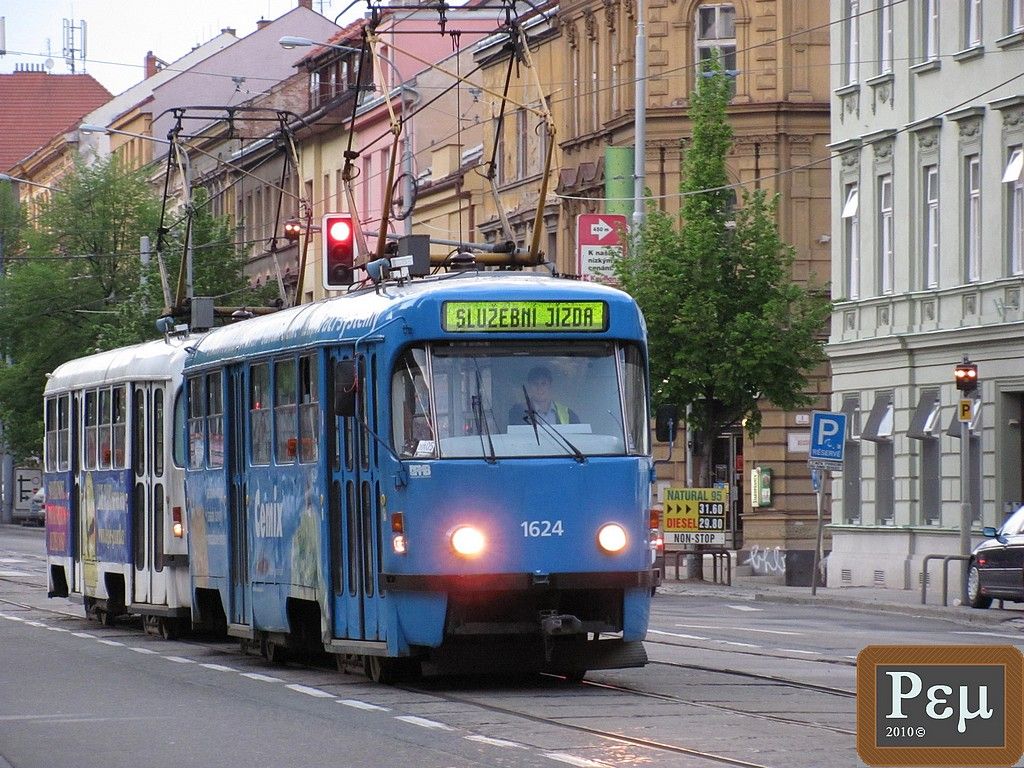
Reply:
x=552, y=624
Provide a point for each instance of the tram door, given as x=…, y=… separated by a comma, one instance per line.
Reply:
x=354, y=517
x=147, y=506
x=239, y=532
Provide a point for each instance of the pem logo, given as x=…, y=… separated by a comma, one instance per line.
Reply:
x=940, y=705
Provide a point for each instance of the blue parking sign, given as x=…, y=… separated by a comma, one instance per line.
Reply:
x=828, y=439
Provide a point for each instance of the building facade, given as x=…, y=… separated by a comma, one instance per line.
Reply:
x=928, y=270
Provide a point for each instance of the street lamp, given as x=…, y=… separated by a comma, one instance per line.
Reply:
x=292, y=41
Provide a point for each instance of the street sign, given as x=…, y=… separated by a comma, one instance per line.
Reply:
x=966, y=410
x=598, y=242
x=828, y=440
x=695, y=515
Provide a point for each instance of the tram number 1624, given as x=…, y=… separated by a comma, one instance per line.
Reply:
x=533, y=529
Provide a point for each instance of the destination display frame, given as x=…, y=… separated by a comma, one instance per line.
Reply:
x=524, y=316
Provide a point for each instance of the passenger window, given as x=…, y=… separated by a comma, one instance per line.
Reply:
x=215, y=420
x=195, y=423
x=285, y=442
x=309, y=410
x=259, y=413
x=91, y=429
x=119, y=427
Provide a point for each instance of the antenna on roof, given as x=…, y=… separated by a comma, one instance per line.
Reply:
x=71, y=52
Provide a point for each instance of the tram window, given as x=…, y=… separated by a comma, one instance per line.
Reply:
x=64, y=433
x=412, y=429
x=139, y=526
x=285, y=443
x=309, y=410
x=158, y=526
x=104, y=429
x=635, y=395
x=178, y=433
x=119, y=427
x=195, y=423
x=91, y=429
x=50, y=445
x=138, y=431
x=259, y=413
x=157, y=432
x=215, y=419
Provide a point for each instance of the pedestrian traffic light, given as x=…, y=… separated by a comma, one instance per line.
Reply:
x=338, y=233
x=966, y=377
x=292, y=229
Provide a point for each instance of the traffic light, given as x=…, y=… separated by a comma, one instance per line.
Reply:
x=338, y=233
x=292, y=229
x=966, y=377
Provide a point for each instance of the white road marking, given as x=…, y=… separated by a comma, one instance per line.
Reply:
x=261, y=678
x=58, y=629
x=85, y=635
x=10, y=560
x=797, y=650
x=111, y=642
x=741, y=629
x=740, y=645
x=495, y=742
x=562, y=757
x=179, y=659
x=219, y=667
x=675, y=634
x=310, y=691
x=744, y=608
x=362, y=705
x=148, y=651
x=14, y=573
x=422, y=722
x=989, y=634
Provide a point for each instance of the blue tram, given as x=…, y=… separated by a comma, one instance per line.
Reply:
x=375, y=475
x=114, y=483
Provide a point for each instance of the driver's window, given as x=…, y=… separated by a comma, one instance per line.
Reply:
x=413, y=431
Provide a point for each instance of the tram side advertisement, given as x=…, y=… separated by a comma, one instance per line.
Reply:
x=695, y=515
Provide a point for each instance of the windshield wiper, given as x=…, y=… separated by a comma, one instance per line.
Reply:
x=482, y=427
x=531, y=414
x=557, y=436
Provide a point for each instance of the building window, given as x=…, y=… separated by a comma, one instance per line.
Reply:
x=885, y=36
x=522, y=143
x=930, y=29
x=972, y=23
x=1016, y=15
x=930, y=218
x=595, y=86
x=851, y=42
x=879, y=430
x=851, y=461
x=577, y=94
x=972, y=216
x=851, y=241
x=613, y=72
x=925, y=427
x=886, y=244
x=1013, y=178
x=716, y=32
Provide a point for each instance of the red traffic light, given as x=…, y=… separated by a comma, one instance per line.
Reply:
x=966, y=377
x=339, y=250
x=292, y=229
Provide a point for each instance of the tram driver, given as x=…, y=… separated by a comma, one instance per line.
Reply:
x=539, y=386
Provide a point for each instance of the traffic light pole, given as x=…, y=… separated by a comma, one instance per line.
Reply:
x=965, y=504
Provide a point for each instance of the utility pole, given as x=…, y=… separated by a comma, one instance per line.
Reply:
x=639, y=118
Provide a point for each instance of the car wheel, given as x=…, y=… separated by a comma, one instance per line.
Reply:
x=974, y=597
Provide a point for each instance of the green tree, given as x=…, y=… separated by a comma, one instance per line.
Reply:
x=75, y=284
x=733, y=329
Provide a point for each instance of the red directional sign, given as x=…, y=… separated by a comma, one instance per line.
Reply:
x=599, y=239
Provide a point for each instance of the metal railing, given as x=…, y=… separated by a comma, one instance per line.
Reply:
x=946, y=560
x=721, y=562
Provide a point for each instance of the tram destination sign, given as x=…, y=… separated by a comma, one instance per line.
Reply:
x=524, y=316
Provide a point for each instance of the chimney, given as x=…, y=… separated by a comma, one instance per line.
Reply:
x=308, y=4
x=228, y=31
x=151, y=64
x=262, y=24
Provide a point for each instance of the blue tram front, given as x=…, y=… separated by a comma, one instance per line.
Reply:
x=378, y=475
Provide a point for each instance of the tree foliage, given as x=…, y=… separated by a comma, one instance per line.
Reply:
x=75, y=283
x=730, y=328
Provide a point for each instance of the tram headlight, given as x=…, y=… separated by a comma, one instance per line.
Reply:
x=612, y=538
x=468, y=541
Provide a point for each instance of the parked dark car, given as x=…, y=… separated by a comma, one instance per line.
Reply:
x=996, y=568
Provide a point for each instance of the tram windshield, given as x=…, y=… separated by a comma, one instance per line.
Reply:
x=503, y=400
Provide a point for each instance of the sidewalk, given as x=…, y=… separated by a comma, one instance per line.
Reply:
x=875, y=599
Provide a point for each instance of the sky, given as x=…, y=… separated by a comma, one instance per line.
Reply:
x=119, y=32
